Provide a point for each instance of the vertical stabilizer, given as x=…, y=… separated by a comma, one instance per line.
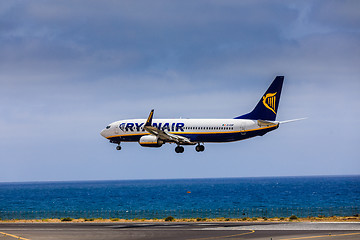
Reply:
x=267, y=107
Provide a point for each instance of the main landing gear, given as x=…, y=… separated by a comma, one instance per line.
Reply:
x=200, y=148
x=179, y=149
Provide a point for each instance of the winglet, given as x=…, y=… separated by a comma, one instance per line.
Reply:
x=149, y=119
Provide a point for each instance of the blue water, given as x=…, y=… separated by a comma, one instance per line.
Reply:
x=231, y=193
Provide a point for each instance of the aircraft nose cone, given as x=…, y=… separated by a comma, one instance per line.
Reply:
x=102, y=133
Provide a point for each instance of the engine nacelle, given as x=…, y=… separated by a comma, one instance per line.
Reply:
x=150, y=141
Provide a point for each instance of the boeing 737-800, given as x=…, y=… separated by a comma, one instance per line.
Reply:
x=155, y=132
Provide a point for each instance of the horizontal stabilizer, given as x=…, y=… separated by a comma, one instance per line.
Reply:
x=263, y=123
x=293, y=120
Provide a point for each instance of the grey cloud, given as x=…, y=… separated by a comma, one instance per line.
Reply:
x=340, y=16
x=183, y=34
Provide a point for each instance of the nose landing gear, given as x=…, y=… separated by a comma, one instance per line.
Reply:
x=200, y=148
x=118, y=147
x=179, y=149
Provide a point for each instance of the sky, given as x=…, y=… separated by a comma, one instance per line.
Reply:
x=69, y=68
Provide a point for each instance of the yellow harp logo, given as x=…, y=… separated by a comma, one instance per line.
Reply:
x=269, y=101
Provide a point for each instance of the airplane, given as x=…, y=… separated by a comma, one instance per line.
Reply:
x=156, y=132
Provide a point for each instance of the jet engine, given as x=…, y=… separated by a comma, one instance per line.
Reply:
x=150, y=141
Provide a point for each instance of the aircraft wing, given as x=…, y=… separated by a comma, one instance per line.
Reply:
x=165, y=136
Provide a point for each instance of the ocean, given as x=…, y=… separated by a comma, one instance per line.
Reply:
x=182, y=194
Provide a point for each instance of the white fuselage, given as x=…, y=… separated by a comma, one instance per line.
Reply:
x=197, y=130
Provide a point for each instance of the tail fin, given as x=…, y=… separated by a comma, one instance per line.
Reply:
x=266, y=109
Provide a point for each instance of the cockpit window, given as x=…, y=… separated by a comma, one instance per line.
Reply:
x=107, y=127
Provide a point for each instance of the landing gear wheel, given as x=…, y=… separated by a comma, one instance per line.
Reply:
x=179, y=149
x=200, y=148
x=118, y=147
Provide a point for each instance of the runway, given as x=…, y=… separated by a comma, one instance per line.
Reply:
x=175, y=230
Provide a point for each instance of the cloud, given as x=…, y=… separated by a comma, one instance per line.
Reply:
x=339, y=16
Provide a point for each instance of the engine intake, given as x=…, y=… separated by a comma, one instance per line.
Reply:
x=150, y=141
